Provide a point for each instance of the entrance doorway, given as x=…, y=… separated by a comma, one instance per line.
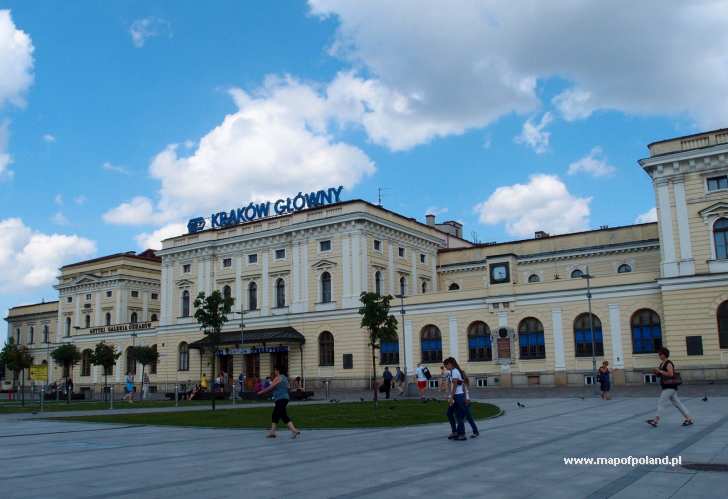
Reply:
x=279, y=360
x=226, y=370
x=252, y=370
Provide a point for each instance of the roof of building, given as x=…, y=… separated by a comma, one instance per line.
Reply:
x=548, y=237
x=272, y=335
x=681, y=137
x=147, y=255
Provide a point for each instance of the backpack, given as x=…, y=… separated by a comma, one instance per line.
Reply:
x=426, y=372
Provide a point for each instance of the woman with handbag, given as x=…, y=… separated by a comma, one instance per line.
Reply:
x=669, y=381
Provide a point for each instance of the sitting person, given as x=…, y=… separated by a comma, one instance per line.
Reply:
x=192, y=393
x=297, y=384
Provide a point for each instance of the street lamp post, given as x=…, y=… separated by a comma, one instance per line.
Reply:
x=588, y=278
x=404, y=340
x=242, y=347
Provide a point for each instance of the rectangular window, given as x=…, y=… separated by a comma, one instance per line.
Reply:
x=88, y=296
x=717, y=183
x=135, y=294
x=694, y=345
x=389, y=353
x=108, y=294
x=377, y=245
x=69, y=299
x=281, y=254
x=227, y=262
x=155, y=296
x=400, y=251
x=423, y=258
x=186, y=268
x=252, y=258
x=325, y=245
x=348, y=362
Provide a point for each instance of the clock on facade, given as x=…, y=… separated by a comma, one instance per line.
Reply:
x=499, y=272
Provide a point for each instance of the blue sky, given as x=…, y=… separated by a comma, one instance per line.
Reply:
x=120, y=120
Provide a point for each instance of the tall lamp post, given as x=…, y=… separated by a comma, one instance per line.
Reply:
x=242, y=348
x=588, y=278
x=404, y=340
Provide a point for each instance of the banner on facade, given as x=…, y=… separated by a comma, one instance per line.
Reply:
x=117, y=328
x=247, y=351
x=39, y=372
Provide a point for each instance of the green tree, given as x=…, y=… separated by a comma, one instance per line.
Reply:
x=67, y=355
x=106, y=356
x=211, y=313
x=379, y=323
x=145, y=355
x=17, y=359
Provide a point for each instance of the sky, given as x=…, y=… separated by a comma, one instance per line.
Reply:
x=120, y=120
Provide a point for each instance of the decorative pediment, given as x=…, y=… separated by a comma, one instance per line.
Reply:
x=184, y=282
x=323, y=264
x=715, y=210
x=87, y=279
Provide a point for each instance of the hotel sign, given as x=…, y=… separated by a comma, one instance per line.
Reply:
x=253, y=350
x=120, y=328
x=257, y=211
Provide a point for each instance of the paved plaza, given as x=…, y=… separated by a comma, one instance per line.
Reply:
x=518, y=455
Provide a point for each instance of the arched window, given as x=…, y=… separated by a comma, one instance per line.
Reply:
x=280, y=293
x=534, y=278
x=86, y=363
x=480, y=348
x=134, y=318
x=183, y=362
x=326, y=349
x=424, y=287
x=624, y=268
x=431, y=344
x=31, y=335
x=723, y=325
x=325, y=287
x=252, y=296
x=583, y=338
x=130, y=362
x=577, y=274
x=68, y=326
x=87, y=321
x=45, y=333
x=389, y=352
x=378, y=282
x=530, y=339
x=227, y=292
x=153, y=318
x=453, y=287
x=108, y=319
x=646, y=331
x=403, y=286
x=720, y=238
x=185, y=303
x=153, y=365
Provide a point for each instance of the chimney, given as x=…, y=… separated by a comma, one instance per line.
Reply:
x=430, y=219
x=539, y=234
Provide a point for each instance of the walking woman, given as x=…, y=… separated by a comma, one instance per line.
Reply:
x=604, y=382
x=279, y=387
x=669, y=383
x=129, y=388
x=456, y=400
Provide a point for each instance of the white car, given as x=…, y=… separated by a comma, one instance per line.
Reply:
x=6, y=386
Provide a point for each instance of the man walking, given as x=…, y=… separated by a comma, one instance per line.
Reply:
x=399, y=379
x=387, y=377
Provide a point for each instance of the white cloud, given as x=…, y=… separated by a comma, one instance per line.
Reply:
x=48, y=137
x=154, y=239
x=143, y=29
x=278, y=142
x=115, y=168
x=30, y=259
x=432, y=71
x=5, y=159
x=647, y=217
x=595, y=164
x=58, y=199
x=16, y=61
x=138, y=211
x=544, y=203
x=80, y=199
x=59, y=218
x=534, y=135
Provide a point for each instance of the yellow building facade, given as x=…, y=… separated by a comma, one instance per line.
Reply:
x=512, y=313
